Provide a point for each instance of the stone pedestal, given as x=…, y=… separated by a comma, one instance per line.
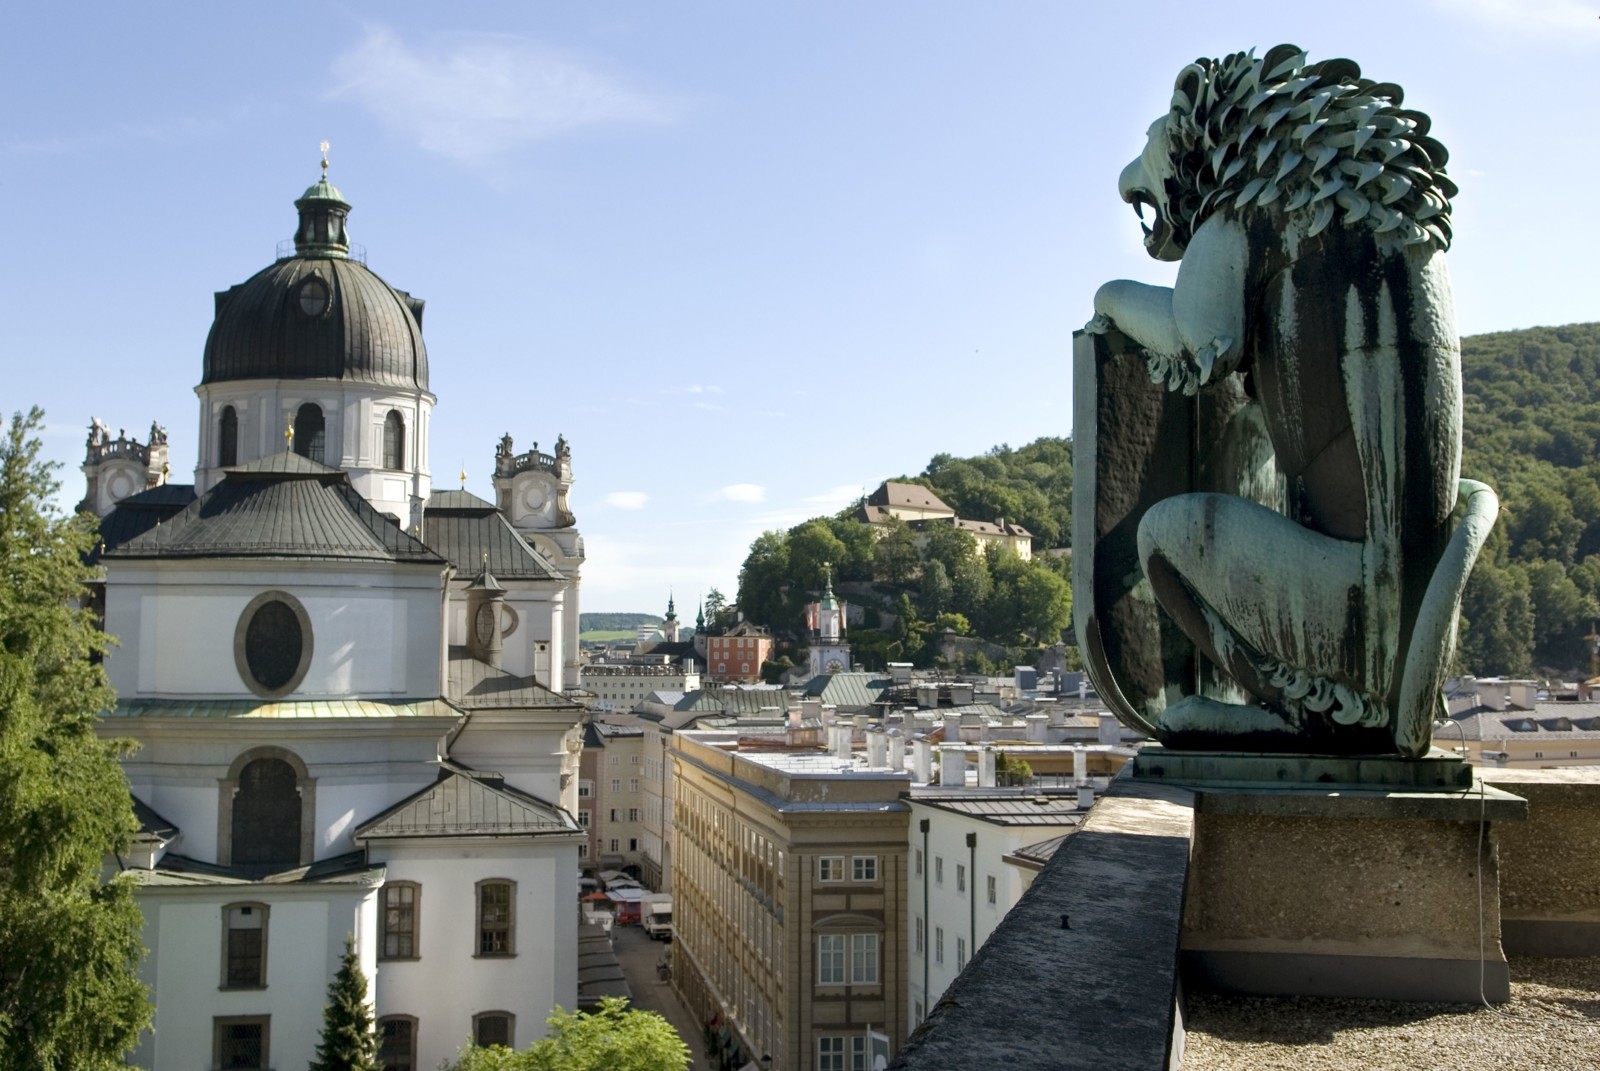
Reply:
x=1328, y=889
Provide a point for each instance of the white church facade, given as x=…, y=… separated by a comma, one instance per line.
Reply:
x=346, y=687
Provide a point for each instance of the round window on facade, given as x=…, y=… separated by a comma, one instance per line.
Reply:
x=272, y=644
x=314, y=296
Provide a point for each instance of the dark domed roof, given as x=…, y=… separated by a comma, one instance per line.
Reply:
x=318, y=314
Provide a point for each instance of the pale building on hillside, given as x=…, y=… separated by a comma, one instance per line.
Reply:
x=346, y=687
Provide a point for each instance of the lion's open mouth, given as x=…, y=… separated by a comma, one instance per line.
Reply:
x=1157, y=230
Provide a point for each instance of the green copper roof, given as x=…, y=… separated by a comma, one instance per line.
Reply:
x=310, y=710
x=323, y=190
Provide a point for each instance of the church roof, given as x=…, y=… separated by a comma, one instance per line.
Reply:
x=151, y=825
x=318, y=314
x=350, y=868
x=137, y=514
x=463, y=527
x=282, y=506
x=475, y=684
x=462, y=804
x=282, y=710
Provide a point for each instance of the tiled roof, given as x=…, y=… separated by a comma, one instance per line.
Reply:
x=855, y=690
x=476, y=685
x=1550, y=721
x=1014, y=810
x=468, y=805
x=906, y=495
x=283, y=506
x=180, y=871
x=463, y=527
x=746, y=700
x=1035, y=856
x=151, y=825
x=288, y=709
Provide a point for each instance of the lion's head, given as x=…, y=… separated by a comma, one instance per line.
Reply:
x=1312, y=139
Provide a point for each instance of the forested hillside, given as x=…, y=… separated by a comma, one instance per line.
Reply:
x=1532, y=431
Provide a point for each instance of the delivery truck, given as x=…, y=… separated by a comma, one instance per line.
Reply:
x=655, y=914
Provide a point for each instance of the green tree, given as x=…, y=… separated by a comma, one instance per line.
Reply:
x=70, y=996
x=716, y=604
x=813, y=550
x=764, y=581
x=612, y=1038
x=934, y=590
x=895, y=557
x=348, y=1041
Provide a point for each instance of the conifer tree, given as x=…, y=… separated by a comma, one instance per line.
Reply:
x=70, y=995
x=348, y=1040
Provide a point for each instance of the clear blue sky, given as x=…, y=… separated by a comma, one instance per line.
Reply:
x=750, y=258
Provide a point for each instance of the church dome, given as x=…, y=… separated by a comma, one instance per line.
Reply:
x=318, y=314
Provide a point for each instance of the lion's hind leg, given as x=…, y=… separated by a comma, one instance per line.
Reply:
x=1271, y=602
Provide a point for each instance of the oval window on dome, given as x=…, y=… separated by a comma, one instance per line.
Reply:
x=314, y=296
x=272, y=644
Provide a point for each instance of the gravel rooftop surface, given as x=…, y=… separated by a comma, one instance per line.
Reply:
x=1551, y=1024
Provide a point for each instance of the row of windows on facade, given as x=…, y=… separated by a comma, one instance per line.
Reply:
x=245, y=941
x=245, y=1041
x=841, y=1053
x=586, y=788
x=938, y=944
x=311, y=436
x=961, y=876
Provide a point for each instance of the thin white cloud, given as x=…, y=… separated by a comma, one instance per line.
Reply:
x=837, y=497
x=708, y=389
x=1526, y=16
x=481, y=96
x=627, y=499
x=744, y=492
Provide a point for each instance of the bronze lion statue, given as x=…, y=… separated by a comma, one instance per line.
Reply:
x=1318, y=566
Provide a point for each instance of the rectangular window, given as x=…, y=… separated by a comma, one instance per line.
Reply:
x=990, y=882
x=961, y=953
x=830, y=1054
x=616, y=784
x=616, y=845
x=614, y=813
x=585, y=789
x=634, y=759
x=916, y=1014
x=492, y=1028
x=864, y=868
x=495, y=906
x=583, y=851
x=922, y=935
x=863, y=959
x=583, y=819
x=397, y=1043
x=240, y=1041
x=633, y=784
x=244, y=946
x=830, y=868
x=633, y=844
x=858, y=1053
x=633, y=814
x=938, y=944
x=830, y=959
x=919, y=862
x=961, y=877
x=400, y=921
x=938, y=870
x=615, y=759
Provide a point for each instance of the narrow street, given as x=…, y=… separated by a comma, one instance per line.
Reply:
x=639, y=956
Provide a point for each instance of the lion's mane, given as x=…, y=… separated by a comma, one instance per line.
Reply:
x=1317, y=137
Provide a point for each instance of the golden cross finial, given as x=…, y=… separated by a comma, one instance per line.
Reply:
x=288, y=434
x=486, y=559
x=463, y=477
x=324, y=157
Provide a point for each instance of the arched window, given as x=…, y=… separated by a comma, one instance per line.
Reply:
x=266, y=815
x=228, y=437
x=397, y=1042
x=493, y=1028
x=266, y=811
x=394, y=441
x=311, y=433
